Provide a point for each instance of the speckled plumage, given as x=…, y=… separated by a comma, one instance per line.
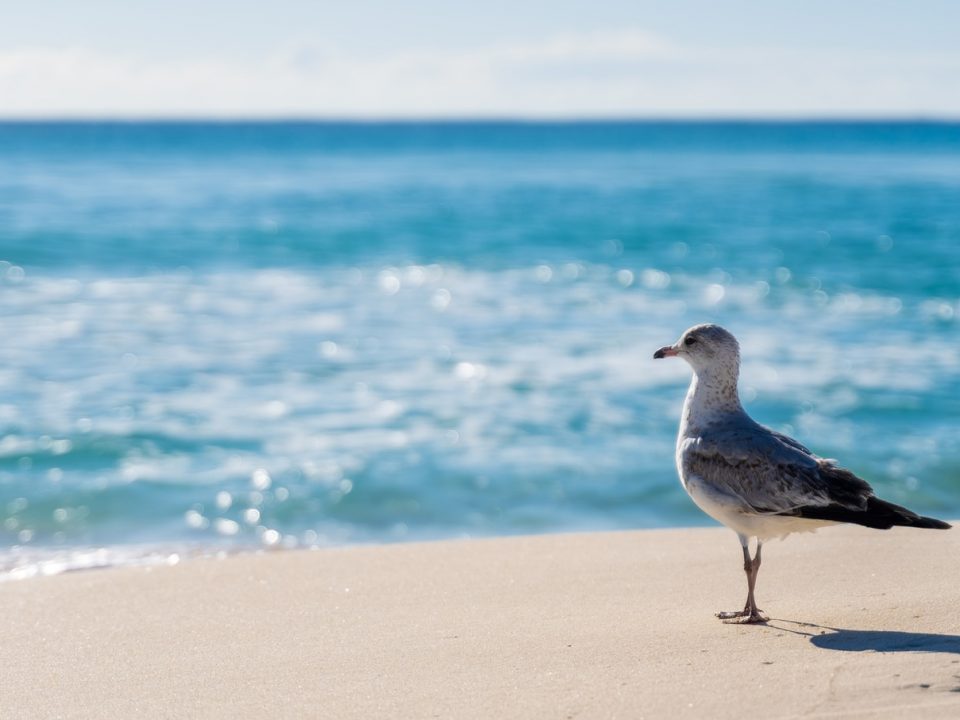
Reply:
x=758, y=482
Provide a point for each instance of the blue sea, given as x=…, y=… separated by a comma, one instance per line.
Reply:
x=223, y=336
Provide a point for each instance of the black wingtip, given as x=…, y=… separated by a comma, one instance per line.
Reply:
x=932, y=523
x=903, y=517
x=878, y=514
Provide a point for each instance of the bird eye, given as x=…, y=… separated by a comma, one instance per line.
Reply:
x=690, y=340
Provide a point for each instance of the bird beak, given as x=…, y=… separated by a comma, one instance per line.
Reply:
x=665, y=351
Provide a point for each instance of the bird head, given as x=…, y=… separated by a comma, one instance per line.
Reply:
x=703, y=347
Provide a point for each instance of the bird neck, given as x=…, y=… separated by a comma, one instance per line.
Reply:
x=712, y=393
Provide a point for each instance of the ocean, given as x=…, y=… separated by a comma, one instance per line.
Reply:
x=225, y=335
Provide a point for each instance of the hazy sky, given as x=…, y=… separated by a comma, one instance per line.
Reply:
x=545, y=58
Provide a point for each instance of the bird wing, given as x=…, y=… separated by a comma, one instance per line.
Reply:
x=787, y=440
x=770, y=473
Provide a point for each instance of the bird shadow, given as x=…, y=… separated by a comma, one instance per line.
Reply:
x=831, y=638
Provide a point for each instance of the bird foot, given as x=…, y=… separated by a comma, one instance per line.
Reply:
x=742, y=617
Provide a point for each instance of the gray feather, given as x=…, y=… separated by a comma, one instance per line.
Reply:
x=769, y=472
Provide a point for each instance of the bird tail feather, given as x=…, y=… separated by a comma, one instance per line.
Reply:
x=878, y=514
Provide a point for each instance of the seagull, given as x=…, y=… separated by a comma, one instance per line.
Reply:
x=760, y=483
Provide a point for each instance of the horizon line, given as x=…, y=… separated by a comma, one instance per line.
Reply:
x=926, y=118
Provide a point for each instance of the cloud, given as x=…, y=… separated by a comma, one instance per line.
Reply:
x=617, y=72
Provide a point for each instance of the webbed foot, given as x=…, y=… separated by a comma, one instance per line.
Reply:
x=743, y=618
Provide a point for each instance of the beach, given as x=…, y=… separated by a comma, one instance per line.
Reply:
x=595, y=625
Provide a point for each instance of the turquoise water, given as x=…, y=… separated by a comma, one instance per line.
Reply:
x=235, y=335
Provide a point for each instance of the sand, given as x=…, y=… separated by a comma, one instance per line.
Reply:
x=864, y=624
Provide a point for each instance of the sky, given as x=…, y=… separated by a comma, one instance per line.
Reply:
x=498, y=58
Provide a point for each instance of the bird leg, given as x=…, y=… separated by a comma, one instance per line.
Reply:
x=751, y=566
x=751, y=611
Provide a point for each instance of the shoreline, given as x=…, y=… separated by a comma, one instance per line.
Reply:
x=616, y=624
x=25, y=562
